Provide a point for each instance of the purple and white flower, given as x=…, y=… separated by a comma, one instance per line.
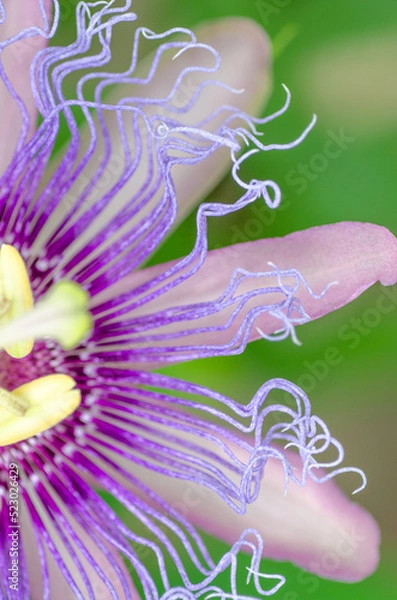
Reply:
x=83, y=326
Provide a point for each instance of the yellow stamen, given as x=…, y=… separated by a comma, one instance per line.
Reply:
x=46, y=402
x=16, y=406
x=16, y=295
x=62, y=315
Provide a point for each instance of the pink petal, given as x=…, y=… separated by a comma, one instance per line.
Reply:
x=356, y=255
x=245, y=54
x=58, y=584
x=316, y=527
x=17, y=59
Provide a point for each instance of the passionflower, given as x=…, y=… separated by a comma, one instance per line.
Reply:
x=82, y=326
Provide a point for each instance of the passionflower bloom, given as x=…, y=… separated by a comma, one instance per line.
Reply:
x=82, y=326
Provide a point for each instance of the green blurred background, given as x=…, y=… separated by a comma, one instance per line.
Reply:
x=339, y=60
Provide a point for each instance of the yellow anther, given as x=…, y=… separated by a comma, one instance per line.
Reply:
x=14, y=404
x=47, y=401
x=16, y=296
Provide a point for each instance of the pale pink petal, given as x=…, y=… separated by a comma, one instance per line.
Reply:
x=244, y=50
x=316, y=527
x=17, y=59
x=245, y=53
x=355, y=255
x=58, y=585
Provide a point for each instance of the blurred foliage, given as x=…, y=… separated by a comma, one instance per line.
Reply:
x=357, y=398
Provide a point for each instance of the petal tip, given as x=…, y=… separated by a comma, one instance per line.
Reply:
x=238, y=30
x=242, y=42
x=325, y=532
x=355, y=554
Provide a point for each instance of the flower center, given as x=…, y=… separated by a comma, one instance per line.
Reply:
x=36, y=406
x=62, y=315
